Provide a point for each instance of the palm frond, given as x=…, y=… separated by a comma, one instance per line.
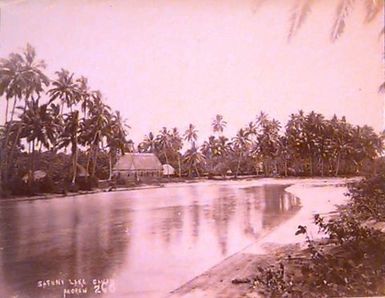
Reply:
x=381, y=89
x=299, y=14
x=373, y=8
x=343, y=11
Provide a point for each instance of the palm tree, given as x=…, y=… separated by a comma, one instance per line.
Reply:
x=21, y=76
x=116, y=137
x=65, y=89
x=176, y=146
x=84, y=93
x=95, y=128
x=70, y=137
x=191, y=133
x=149, y=144
x=218, y=124
x=40, y=128
x=193, y=159
x=164, y=142
x=241, y=143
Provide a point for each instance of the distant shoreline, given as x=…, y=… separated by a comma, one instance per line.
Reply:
x=172, y=180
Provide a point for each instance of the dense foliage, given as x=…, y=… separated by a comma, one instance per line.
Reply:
x=52, y=116
x=351, y=262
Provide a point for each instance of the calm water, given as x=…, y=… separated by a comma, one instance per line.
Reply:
x=145, y=242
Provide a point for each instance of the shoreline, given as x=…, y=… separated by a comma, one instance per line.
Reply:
x=254, y=181
x=217, y=281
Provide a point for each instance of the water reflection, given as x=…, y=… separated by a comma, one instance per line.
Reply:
x=150, y=241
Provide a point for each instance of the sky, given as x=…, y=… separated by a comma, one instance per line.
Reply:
x=174, y=62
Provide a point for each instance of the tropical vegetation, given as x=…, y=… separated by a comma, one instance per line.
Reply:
x=64, y=117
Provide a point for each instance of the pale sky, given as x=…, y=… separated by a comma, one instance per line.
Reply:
x=175, y=62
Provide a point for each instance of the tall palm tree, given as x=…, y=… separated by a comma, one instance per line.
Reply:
x=191, y=133
x=66, y=89
x=241, y=143
x=193, y=159
x=218, y=124
x=176, y=146
x=95, y=128
x=70, y=137
x=164, y=142
x=84, y=93
x=21, y=76
x=116, y=137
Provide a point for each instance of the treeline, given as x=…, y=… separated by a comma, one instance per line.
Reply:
x=65, y=128
x=308, y=145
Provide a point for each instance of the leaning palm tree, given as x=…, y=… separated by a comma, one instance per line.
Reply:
x=218, y=124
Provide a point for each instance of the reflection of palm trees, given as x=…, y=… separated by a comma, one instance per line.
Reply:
x=171, y=225
x=279, y=205
x=40, y=241
x=223, y=211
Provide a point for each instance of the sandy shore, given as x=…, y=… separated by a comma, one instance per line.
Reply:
x=316, y=195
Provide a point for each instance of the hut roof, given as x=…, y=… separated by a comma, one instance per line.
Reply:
x=138, y=161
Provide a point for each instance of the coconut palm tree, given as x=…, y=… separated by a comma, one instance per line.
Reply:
x=241, y=144
x=116, y=137
x=193, y=159
x=40, y=128
x=84, y=93
x=191, y=133
x=95, y=128
x=70, y=137
x=21, y=77
x=164, y=143
x=149, y=144
x=176, y=146
x=218, y=124
x=66, y=89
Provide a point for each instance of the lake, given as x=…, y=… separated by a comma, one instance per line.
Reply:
x=139, y=243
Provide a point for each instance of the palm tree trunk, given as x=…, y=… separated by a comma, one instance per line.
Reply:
x=13, y=108
x=110, y=165
x=95, y=157
x=238, y=165
x=74, y=163
x=285, y=167
x=196, y=170
x=338, y=164
x=165, y=155
x=179, y=165
x=6, y=111
x=311, y=165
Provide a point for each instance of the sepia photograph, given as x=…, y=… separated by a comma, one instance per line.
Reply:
x=192, y=148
